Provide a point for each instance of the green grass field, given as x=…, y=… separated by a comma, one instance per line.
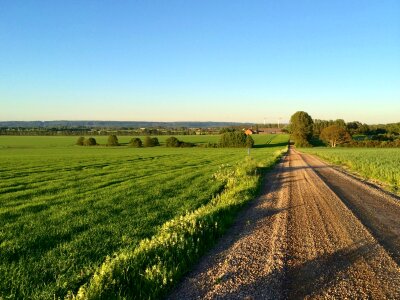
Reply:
x=64, y=208
x=381, y=164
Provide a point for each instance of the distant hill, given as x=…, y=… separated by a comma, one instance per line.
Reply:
x=115, y=124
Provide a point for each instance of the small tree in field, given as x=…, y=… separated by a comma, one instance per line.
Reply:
x=112, y=140
x=136, y=142
x=80, y=141
x=335, y=135
x=236, y=139
x=249, y=142
x=148, y=142
x=90, y=142
x=155, y=141
x=172, y=142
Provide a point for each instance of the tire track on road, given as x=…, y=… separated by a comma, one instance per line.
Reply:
x=298, y=240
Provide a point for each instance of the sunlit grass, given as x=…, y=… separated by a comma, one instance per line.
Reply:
x=64, y=208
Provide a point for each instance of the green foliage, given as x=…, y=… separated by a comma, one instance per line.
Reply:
x=65, y=208
x=90, y=142
x=112, y=140
x=155, y=141
x=174, y=142
x=148, y=142
x=86, y=142
x=227, y=129
x=249, y=142
x=136, y=142
x=151, y=142
x=357, y=128
x=301, y=125
x=80, y=141
x=335, y=135
x=235, y=139
x=209, y=145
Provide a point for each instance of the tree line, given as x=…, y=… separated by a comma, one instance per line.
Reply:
x=112, y=141
x=235, y=139
x=306, y=132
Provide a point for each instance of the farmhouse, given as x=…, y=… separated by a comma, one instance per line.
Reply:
x=250, y=131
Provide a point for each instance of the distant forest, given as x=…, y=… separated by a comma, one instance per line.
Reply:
x=113, y=124
x=114, y=127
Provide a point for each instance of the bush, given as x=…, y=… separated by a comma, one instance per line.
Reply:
x=151, y=142
x=187, y=145
x=236, y=139
x=174, y=142
x=80, y=141
x=112, y=140
x=155, y=141
x=148, y=142
x=136, y=142
x=209, y=145
x=90, y=142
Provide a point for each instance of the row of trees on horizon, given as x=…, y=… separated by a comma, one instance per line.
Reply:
x=234, y=139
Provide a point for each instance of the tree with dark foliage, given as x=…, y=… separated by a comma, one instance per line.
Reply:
x=136, y=142
x=301, y=125
x=90, y=142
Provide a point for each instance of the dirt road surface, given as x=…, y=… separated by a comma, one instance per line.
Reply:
x=315, y=233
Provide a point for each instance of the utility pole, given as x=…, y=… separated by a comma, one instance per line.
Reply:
x=279, y=121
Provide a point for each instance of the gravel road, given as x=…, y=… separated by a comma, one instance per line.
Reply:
x=315, y=232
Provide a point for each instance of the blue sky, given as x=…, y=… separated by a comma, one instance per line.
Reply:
x=199, y=60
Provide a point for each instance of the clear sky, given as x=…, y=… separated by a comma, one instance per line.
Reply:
x=199, y=60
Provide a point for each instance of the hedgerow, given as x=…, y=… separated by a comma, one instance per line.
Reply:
x=156, y=264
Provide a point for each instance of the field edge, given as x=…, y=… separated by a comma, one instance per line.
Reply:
x=157, y=264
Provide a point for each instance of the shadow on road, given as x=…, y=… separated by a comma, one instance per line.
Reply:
x=267, y=145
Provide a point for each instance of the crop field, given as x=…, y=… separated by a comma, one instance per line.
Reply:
x=379, y=164
x=64, y=208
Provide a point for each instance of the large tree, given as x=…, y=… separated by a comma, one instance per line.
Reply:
x=335, y=135
x=301, y=125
